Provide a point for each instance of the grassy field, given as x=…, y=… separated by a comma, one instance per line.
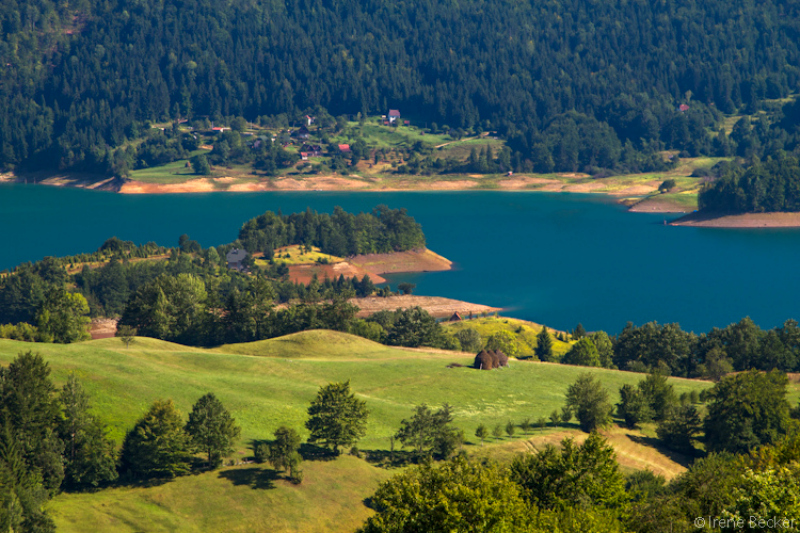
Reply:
x=525, y=332
x=270, y=383
x=294, y=255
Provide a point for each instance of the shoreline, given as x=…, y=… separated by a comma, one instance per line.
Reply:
x=640, y=196
x=741, y=221
x=557, y=182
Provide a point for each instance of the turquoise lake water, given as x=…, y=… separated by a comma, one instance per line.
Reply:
x=553, y=258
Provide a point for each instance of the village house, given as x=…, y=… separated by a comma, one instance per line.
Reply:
x=302, y=133
x=235, y=258
x=344, y=148
x=304, y=156
x=394, y=114
x=313, y=150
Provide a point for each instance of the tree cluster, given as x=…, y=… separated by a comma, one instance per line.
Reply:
x=341, y=234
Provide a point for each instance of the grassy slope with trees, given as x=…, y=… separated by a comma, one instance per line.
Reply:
x=274, y=388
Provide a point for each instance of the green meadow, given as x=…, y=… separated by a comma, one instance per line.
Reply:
x=270, y=383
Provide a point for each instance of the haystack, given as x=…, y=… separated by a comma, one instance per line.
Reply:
x=502, y=359
x=484, y=361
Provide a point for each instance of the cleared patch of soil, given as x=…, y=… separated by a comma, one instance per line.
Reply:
x=746, y=220
x=584, y=187
x=422, y=260
x=633, y=190
x=657, y=205
x=436, y=306
x=322, y=183
x=574, y=175
x=103, y=328
x=304, y=273
x=195, y=185
x=522, y=183
x=451, y=185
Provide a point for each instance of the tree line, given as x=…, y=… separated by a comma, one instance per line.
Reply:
x=772, y=186
x=668, y=349
x=341, y=234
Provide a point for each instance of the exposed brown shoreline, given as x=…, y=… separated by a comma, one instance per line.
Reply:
x=745, y=220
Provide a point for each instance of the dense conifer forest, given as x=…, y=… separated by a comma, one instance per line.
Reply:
x=571, y=85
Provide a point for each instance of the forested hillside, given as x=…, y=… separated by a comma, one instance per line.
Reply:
x=571, y=84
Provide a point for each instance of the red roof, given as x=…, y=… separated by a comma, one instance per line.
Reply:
x=303, y=154
x=394, y=113
x=684, y=107
x=344, y=147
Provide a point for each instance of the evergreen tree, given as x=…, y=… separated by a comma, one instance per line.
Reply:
x=482, y=433
x=212, y=429
x=544, y=345
x=30, y=409
x=634, y=407
x=157, y=446
x=88, y=454
x=680, y=427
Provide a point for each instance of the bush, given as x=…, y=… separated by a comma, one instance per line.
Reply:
x=261, y=452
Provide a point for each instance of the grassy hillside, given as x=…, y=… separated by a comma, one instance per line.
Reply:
x=270, y=383
x=242, y=499
x=525, y=332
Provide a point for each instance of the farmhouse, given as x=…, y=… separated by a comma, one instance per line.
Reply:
x=394, y=114
x=302, y=133
x=344, y=148
x=235, y=258
x=313, y=150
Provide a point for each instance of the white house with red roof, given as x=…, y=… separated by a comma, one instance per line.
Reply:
x=394, y=114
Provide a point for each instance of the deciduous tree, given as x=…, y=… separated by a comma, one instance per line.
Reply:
x=336, y=417
x=589, y=401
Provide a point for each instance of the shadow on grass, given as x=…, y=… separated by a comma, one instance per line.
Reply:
x=253, y=477
x=387, y=459
x=685, y=460
x=312, y=452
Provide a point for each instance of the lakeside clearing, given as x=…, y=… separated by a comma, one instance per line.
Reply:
x=743, y=220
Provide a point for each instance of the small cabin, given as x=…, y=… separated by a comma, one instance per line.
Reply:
x=235, y=257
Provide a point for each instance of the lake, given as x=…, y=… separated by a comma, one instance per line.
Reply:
x=554, y=258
